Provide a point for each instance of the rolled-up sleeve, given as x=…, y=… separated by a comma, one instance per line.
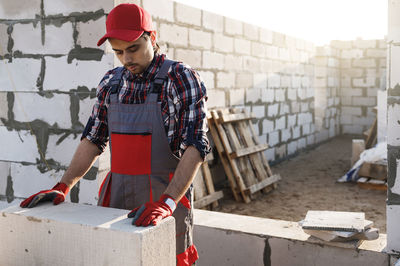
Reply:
x=190, y=99
x=96, y=129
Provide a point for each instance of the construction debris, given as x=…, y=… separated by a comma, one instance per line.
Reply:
x=241, y=153
x=334, y=226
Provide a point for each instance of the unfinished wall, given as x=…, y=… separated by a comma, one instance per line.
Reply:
x=300, y=94
x=393, y=128
x=49, y=70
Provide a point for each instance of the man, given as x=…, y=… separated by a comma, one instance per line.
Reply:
x=152, y=111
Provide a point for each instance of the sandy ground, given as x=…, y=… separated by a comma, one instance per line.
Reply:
x=309, y=183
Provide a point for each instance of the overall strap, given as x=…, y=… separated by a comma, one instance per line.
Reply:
x=161, y=76
x=115, y=81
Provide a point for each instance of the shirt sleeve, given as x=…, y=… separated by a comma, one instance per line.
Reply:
x=191, y=97
x=96, y=129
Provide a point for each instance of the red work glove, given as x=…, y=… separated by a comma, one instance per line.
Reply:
x=56, y=194
x=153, y=212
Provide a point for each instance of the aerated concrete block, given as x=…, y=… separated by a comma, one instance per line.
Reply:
x=20, y=74
x=188, y=14
x=212, y=21
x=200, y=39
x=74, y=234
x=212, y=60
x=233, y=27
x=3, y=39
x=23, y=148
x=242, y=46
x=223, y=43
x=208, y=78
x=57, y=7
x=61, y=149
x=13, y=10
x=89, y=32
x=216, y=98
x=189, y=57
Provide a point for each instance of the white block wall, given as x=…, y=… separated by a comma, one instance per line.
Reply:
x=48, y=78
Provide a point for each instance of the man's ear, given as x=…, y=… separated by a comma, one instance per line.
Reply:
x=153, y=38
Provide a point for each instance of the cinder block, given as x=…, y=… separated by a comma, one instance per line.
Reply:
x=296, y=132
x=233, y=27
x=5, y=170
x=258, y=49
x=244, y=80
x=272, y=52
x=364, y=63
x=233, y=62
x=281, y=151
x=3, y=107
x=208, y=78
x=280, y=123
x=225, y=79
x=393, y=116
x=57, y=7
x=90, y=32
x=284, y=109
x=199, y=39
x=174, y=34
x=265, y=36
x=252, y=63
x=236, y=97
x=364, y=101
x=253, y=95
x=62, y=149
x=352, y=129
x=267, y=95
x=286, y=134
x=352, y=53
x=364, y=82
x=377, y=53
x=250, y=31
x=212, y=60
x=216, y=98
x=268, y=126
x=273, y=110
x=108, y=236
x=85, y=109
x=270, y=154
x=260, y=80
x=28, y=179
x=292, y=147
x=212, y=21
x=164, y=9
x=273, y=138
x=292, y=120
x=18, y=146
x=242, y=46
x=188, y=14
x=50, y=110
x=274, y=81
x=223, y=43
x=12, y=9
x=11, y=74
x=88, y=192
x=258, y=111
x=78, y=73
x=364, y=43
x=189, y=56
x=302, y=143
x=3, y=39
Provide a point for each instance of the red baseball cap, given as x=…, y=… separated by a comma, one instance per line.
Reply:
x=127, y=22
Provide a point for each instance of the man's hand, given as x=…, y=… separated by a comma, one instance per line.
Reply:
x=56, y=194
x=153, y=212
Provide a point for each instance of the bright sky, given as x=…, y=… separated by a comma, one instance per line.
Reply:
x=316, y=20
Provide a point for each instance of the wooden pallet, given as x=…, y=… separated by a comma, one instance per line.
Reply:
x=370, y=183
x=205, y=196
x=241, y=153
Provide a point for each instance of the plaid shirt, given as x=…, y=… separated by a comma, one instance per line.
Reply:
x=183, y=98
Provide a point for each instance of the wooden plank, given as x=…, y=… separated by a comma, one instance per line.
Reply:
x=264, y=183
x=358, y=146
x=249, y=150
x=199, y=189
x=334, y=221
x=229, y=118
x=372, y=185
x=208, y=199
x=228, y=150
x=209, y=182
x=221, y=152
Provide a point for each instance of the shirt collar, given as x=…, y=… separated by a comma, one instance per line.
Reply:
x=150, y=71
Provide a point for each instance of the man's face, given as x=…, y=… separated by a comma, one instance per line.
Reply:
x=136, y=56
